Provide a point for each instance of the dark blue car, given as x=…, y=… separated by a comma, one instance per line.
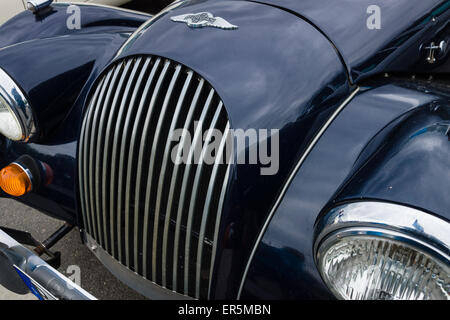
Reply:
x=232, y=149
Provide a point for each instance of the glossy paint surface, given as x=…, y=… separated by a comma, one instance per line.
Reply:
x=53, y=82
x=276, y=71
x=407, y=162
x=405, y=26
x=290, y=235
x=55, y=67
x=53, y=23
x=265, y=81
x=260, y=76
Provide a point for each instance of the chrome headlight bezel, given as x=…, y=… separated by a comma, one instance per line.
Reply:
x=423, y=232
x=18, y=106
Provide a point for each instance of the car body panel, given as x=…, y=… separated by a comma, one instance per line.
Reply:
x=298, y=109
x=96, y=19
x=407, y=162
x=57, y=82
x=280, y=69
x=340, y=152
x=405, y=26
x=9, y=8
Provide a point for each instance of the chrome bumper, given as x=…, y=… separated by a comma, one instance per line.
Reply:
x=43, y=281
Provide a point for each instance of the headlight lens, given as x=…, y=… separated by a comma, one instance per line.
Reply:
x=383, y=251
x=10, y=125
x=373, y=268
x=16, y=117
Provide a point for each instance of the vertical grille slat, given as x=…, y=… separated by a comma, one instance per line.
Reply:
x=158, y=218
x=123, y=69
x=217, y=225
x=206, y=208
x=194, y=195
x=186, y=175
x=175, y=176
x=123, y=149
x=162, y=175
x=154, y=151
x=130, y=125
x=99, y=154
x=135, y=141
x=83, y=164
x=95, y=218
x=115, y=197
x=141, y=154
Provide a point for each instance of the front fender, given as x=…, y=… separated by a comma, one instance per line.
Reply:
x=52, y=23
x=55, y=68
x=407, y=162
x=52, y=62
x=389, y=135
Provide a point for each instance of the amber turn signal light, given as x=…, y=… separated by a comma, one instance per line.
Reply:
x=14, y=180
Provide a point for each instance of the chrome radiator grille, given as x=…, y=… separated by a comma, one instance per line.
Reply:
x=157, y=218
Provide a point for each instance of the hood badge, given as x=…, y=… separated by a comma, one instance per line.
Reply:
x=204, y=19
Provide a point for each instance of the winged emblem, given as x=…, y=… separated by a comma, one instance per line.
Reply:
x=204, y=19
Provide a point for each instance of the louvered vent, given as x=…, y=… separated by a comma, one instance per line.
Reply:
x=157, y=218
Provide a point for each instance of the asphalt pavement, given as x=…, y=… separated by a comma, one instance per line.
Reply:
x=95, y=278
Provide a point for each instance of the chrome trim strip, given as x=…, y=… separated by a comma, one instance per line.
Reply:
x=80, y=172
x=206, y=208
x=116, y=197
x=21, y=108
x=118, y=69
x=187, y=124
x=289, y=180
x=150, y=175
x=123, y=152
x=124, y=71
x=194, y=194
x=84, y=155
x=91, y=168
x=186, y=175
x=138, y=283
x=135, y=87
x=386, y=216
x=106, y=109
x=218, y=220
x=162, y=174
x=383, y=233
x=131, y=155
x=155, y=96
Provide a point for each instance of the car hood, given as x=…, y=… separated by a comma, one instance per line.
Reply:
x=275, y=71
x=404, y=26
x=271, y=70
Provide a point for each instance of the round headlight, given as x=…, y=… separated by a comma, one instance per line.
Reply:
x=374, y=250
x=16, y=117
